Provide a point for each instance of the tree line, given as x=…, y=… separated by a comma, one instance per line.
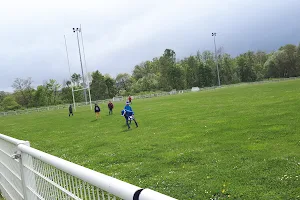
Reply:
x=162, y=73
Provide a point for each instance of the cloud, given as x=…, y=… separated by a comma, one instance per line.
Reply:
x=120, y=34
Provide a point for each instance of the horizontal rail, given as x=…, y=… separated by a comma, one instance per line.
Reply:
x=11, y=140
x=109, y=184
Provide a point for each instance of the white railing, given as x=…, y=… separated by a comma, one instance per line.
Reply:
x=29, y=174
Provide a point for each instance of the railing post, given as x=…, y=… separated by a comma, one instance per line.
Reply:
x=18, y=155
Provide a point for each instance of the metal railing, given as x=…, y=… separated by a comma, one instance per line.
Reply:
x=29, y=174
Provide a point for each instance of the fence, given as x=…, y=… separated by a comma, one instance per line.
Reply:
x=29, y=174
x=173, y=92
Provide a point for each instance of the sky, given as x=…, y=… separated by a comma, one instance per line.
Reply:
x=120, y=34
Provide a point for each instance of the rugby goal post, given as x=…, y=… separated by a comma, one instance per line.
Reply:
x=72, y=86
x=90, y=99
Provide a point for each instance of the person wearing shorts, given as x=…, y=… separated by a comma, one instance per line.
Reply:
x=97, y=111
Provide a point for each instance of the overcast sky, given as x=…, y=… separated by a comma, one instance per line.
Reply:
x=118, y=34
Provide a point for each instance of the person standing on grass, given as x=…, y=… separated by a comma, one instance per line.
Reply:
x=129, y=115
x=97, y=111
x=129, y=99
x=110, y=106
x=70, y=110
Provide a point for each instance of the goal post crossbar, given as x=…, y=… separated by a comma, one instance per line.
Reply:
x=81, y=89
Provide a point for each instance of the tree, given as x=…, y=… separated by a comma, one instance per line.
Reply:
x=98, y=86
x=3, y=95
x=167, y=61
x=52, y=91
x=245, y=64
x=24, y=91
x=76, y=78
x=124, y=82
x=40, y=96
x=111, y=86
x=68, y=83
x=227, y=69
x=9, y=103
x=177, y=77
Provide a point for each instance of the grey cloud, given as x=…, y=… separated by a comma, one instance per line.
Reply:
x=119, y=34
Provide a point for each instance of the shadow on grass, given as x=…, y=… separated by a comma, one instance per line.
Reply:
x=94, y=120
x=127, y=130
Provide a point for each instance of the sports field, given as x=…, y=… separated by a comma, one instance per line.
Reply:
x=239, y=142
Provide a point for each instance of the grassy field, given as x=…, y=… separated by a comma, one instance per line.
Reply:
x=238, y=143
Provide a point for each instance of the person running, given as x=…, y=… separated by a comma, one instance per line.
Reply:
x=127, y=106
x=110, y=106
x=129, y=115
x=70, y=110
x=97, y=111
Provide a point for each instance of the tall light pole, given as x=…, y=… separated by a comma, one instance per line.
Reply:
x=86, y=71
x=216, y=57
x=76, y=30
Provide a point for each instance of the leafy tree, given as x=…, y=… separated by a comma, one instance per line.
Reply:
x=9, y=103
x=76, y=78
x=167, y=61
x=227, y=69
x=111, y=86
x=24, y=91
x=124, y=82
x=3, y=95
x=52, y=88
x=40, y=96
x=177, y=77
x=245, y=64
x=98, y=86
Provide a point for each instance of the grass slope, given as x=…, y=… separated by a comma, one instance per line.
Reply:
x=240, y=142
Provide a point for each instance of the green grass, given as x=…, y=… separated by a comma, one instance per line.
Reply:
x=239, y=143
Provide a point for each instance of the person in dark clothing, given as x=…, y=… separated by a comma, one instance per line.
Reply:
x=70, y=111
x=129, y=115
x=129, y=99
x=97, y=111
x=110, y=106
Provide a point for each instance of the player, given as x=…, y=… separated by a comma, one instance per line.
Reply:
x=110, y=106
x=127, y=106
x=70, y=110
x=129, y=99
x=97, y=111
x=129, y=115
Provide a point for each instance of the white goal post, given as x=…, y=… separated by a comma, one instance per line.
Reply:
x=90, y=99
x=72, y=86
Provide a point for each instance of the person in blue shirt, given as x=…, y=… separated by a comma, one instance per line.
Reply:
x=127, y=106
x=129, y=115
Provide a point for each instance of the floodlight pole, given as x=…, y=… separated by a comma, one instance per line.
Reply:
x=70, y=73
x=78, y=30
x=214, y=35
x=87, y=76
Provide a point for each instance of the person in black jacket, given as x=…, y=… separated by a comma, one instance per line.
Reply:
x=97, y=111
x=70, y=110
